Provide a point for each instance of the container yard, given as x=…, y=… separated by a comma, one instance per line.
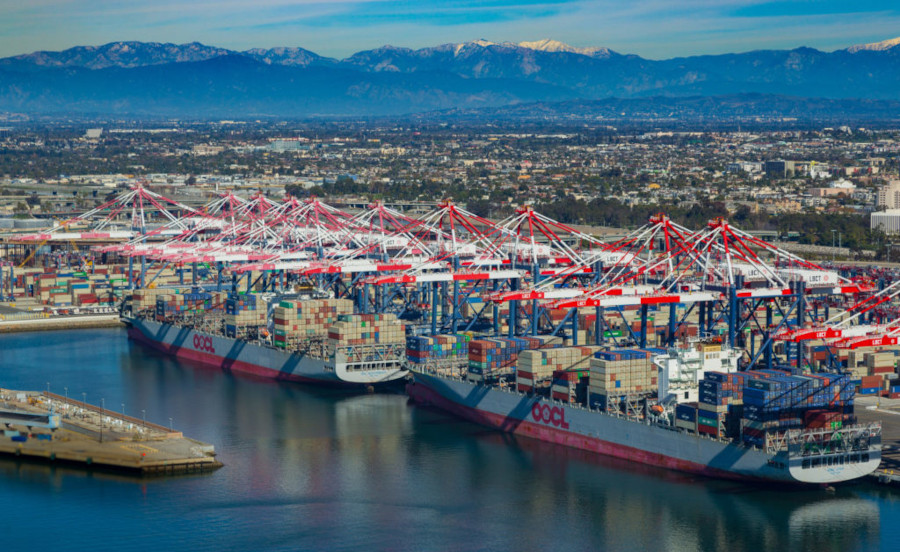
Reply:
x=49, y=428
x=705, y=333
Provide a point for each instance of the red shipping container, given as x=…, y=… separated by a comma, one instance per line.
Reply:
x=559, y=396
x=565, y=376
x=868, y=382
x=820, y=418
x=86, y=299
x=707, y=430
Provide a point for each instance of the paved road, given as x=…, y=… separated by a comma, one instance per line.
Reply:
x=889, y=414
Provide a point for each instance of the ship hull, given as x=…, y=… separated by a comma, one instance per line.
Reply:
x=603, y=434
x=237, y=356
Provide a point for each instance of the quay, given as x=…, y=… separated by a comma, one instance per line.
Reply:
x=870, y=409
x=60, y=322
x=46, y=427
x=14, y=318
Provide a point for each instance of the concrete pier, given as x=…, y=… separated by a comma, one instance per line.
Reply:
x=97, y=438
x=869, y=409
x=38, y=323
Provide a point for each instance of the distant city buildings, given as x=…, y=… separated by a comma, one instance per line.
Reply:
x=777, y=172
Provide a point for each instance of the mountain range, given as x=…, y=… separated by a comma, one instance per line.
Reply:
x=200, y=81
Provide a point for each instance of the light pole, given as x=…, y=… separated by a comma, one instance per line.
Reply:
x=83, y=404
x=143, y=420
x=171, y=425
x=102, y=412
x=66, y=389
x=832, y=245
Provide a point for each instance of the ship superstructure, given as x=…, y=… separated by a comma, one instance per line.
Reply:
x=682, y=368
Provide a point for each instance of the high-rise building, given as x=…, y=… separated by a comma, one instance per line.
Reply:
x=889, y=195
x=780, y=168
x=887, y=221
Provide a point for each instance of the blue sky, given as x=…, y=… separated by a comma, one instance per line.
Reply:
x=651, y=28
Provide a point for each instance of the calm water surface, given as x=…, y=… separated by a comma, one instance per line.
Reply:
x=307, y=469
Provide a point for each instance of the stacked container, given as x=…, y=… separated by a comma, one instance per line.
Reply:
x=880, y=364
x=450, y=348
x=686, y=416
x=776, y=401
x=183, y=303
x=567, y=384
x=721, y=400
x=819, y=419
x=892, y=388
x=241, y=312
x=493, y=357
x=146, y=298
x=535, y=367
x=64, y=287
x=622, y=372
x=870, y=385
x=307, y=318
x=366, y=329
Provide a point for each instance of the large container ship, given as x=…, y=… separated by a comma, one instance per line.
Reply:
x=235, y=355
x=309, y=340
x=766, y=444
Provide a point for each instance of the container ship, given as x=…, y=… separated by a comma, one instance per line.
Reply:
x=755, y=425
x=305, y=340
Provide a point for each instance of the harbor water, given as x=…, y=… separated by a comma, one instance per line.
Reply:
x=313, y=469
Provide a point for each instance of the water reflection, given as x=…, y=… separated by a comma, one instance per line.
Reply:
x=613, y=504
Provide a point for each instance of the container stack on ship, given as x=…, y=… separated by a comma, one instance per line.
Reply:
x=620, y=377
x=446, y=353
x=537, y=368
x=244, y=314
x=366, y=342
x=299, y=321
x=489, y=359
x=194, y=303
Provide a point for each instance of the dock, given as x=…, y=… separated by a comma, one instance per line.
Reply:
x=46, y=427
x=37, y=323
x=870, y=409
